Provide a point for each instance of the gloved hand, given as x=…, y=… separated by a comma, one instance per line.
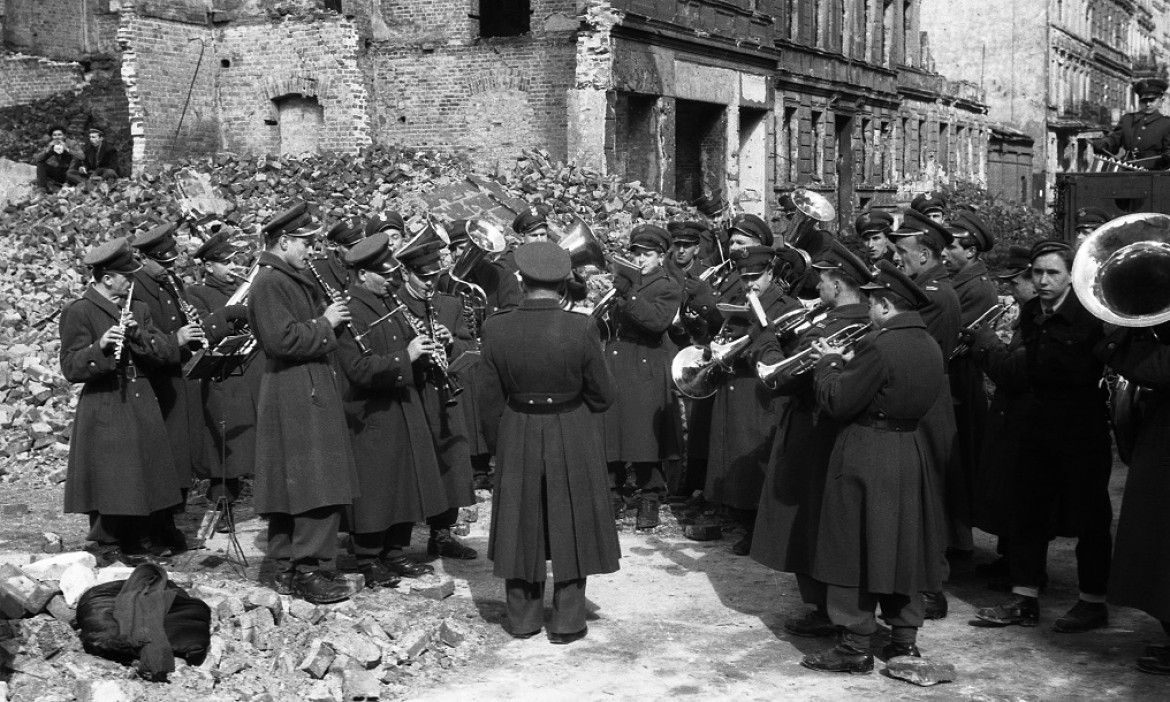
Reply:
x=576, y=287
x=623, y=285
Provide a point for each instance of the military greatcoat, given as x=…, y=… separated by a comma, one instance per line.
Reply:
x=119, y=457
x=879, y=528
x=303, y=455
x=546, y=368
x=790, y=503
x=745, y=416
x=398, y=471
x=1140, y=575
x=181, y=400
x=1143, y=136
x=643, y=424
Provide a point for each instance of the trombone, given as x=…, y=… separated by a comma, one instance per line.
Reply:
x=803, y=361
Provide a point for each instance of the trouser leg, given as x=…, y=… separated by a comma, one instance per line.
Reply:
x=853, y=609
x=444, y=520
x=904, y=614
x=118, y=530
x=314, y=538
x=368, y=546
x=481, y=464
x=397, y=537
x=812, y=591
x=525, y=605
x=1028, y=544
x=279, y=549
x=568, y=607
x=649, y=478
x=1094, y=557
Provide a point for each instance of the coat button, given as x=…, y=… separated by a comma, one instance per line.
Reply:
x=548, y=400
x=532, y=402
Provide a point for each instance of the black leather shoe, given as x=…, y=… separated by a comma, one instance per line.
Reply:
x=743, y=547
x=134, y=560
x=936, y=605
x=378, y=575
x=318, y=588
x=483, y=481
x=282, y=583
x=173, y=540
x=647, y=513
x=569, y=638
x=840, y=659
x=1084, y=616
x=893, y=650
x=444, y=544
x=1017, y=609
x=1156, y=650
x=1156, y=664
x=815, y=624
x=527, y=635
x=404, y=567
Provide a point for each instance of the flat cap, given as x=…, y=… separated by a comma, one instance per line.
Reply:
x=892, y=280
x=974, y=228
x=839, y=258
x=386, y=220
x=650, y=236
x=216, y=248
x=753, y=260
x=687, y=233
x=543, y=261
x=1017, y=261
x=114, y=255
x=292, y=221
x=97, y=130
x=529, y=221
x=914, y=223
x=372, y=253
x=158, y=242
x=928, y=202
x=873, y=222
x=1092, y=217
x=1049, y=246
x=754, y=227
x=421, y=253
x=1150, y=86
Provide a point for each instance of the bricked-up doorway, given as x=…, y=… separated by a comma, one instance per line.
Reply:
x=753, y=159
x=700, y=148
x=300, y=120
x=637, y=139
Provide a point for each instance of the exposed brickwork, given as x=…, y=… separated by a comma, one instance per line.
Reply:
x=25, y=79
x=58, y=29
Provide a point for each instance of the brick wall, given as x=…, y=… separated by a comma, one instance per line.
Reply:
x=24, y=79
x=159, y=62
x=271, y=60
x=61, y=29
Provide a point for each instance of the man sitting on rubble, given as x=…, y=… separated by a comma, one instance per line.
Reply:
x=54, y=161
x=100, y=159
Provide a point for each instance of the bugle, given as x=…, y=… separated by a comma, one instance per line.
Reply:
x=803, y=361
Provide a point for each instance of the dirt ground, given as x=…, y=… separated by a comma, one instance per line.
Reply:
x=690, y=619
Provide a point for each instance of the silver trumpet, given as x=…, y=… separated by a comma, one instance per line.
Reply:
x=796, y=322
x=988, y=318
x=803, y=361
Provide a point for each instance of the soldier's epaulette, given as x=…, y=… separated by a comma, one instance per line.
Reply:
x=931, y=288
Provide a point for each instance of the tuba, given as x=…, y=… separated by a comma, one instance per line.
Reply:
x=810, y=207
x=583, y=247
x=1121, y=274
x=484, y=239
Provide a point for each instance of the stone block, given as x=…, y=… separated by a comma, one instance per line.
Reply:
x=51, y=543
x=359, y=685
x=305, y=611
x=453, y=633
x=230, y=608
x=16, y=558
x=76, y=579
x=268, y=600
x=318, y=659
x=414, y=642
x=433, y=586
x=112, y=573
x=62, y=610
x=920, y=671
x=13, y=509
x=369, y=626
x=54, y=567
x=32, y=595
x=355, y=645
x=100, y=691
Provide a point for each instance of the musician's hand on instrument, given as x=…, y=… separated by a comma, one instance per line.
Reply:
x=111, y=338
x=189, y=333
x=236, y=312
x=443, y=335
x=133, y=331
x=337, y=313
x=420, y=346
x=821, y=348
x=622, y=284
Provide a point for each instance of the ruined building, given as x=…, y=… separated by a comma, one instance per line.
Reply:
x=753, y=97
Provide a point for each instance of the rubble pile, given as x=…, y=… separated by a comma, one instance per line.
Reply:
x=43, y=238
x=263, y=646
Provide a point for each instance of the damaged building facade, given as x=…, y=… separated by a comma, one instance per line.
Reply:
x=750, y=97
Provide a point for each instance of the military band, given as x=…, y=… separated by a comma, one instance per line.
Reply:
x=846, y=424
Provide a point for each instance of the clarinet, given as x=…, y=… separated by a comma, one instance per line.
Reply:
x=448, y=388
x=124, y=323
x=335, y=296
x=190, y=314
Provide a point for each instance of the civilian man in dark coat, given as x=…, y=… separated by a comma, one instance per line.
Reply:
x=229, y=403
x=54, y=161
x=977, y=294
x=878, y=538
x=305, y=472
x=790, y=506
x=1065, y=463
x=398, y=470
x=546, y=367
x=120, y=469
x=643, y=427
x=1141, y=554
x=439, y=316
x=1143, y=136
x=919, y=243
x=180, y=399
x=99, y=159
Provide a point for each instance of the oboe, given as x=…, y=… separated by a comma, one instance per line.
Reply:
x=124, y=323
x=335, y=296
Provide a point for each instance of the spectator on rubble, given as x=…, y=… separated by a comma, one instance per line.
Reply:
x=54, y=161
x=100, y=159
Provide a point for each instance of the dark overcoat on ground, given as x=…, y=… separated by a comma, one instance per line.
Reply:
x=303, y=454
x=398, y=471
x=546, y=367
x=229, y=405
x=643, y=423
x=745, y=415
x=447, y=427
x=119, y=458
x=1140, y=575
x=180, y=400
x=790, y=504
x=879, y=526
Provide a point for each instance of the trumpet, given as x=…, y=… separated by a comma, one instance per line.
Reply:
x=988, y=318
x=335, y=296
x=623, y=267
x=798, y=321
x=803, y=361
x=124, y=323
